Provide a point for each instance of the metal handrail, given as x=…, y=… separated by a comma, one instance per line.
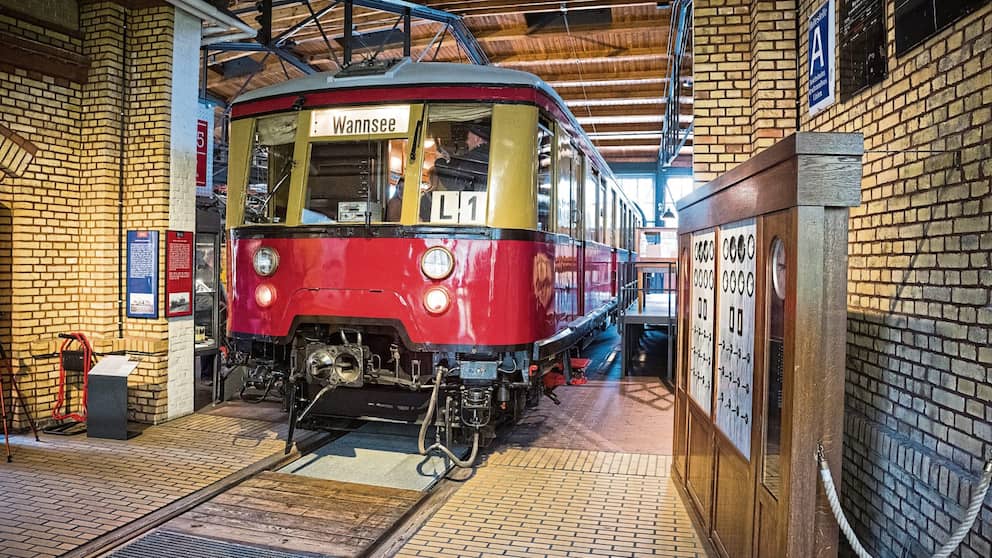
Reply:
x=670, y=270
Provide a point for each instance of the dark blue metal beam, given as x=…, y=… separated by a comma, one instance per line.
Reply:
x=257, y=47
x=457, y=26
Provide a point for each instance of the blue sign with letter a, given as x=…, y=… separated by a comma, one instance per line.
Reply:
x=820, y=58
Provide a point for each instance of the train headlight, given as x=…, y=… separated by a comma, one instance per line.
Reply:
x=437, y=262
x=265, y=295
x=436, y=300
x=265, y=261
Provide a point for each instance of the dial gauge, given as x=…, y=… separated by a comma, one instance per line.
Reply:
x=779, y=267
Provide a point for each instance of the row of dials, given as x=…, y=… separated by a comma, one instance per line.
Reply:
x=737, y=248
x=703, y=251
x=737, y=283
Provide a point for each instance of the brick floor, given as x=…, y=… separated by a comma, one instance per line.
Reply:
x=633, y=415
x=556, y=502
x=587, y=478
x=64, y=491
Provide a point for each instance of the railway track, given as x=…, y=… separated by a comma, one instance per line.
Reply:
x=360, y=491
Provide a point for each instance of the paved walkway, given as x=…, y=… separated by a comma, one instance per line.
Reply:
x=587, y=478
x=64, y=491
x=555, y=502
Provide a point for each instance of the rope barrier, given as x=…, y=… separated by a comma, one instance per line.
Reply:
x=977, y=498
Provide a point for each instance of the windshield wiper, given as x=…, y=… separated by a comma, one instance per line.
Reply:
x=286, y=172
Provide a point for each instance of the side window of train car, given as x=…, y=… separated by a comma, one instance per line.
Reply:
x=591, y=220
x=454, y=181
x=348, y=179
x=544, y=190
x=602, y=210
x=623, y=225
x=613, y=228
x=563, y=188
x=267, y=198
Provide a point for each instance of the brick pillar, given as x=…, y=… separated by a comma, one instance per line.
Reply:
x=722, y=86
x=160, y=191
x=182, y=194
x=773, y=72
x=100, y=141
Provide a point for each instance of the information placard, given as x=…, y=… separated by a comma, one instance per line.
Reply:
x=142, y=274
x=820, y=58
x=862, y=46
x=178, y=273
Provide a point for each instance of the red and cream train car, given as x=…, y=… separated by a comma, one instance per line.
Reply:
x=418, y=239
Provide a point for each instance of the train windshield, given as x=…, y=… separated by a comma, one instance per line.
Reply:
x=355, y=181
x=272, y=168
x=454, y=181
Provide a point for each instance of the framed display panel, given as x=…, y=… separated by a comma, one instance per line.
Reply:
x=745, y=446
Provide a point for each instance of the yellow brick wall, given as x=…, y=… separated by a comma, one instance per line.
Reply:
x=919, y=403
x=919, y=314
x=721, y=87
x=39, y=217
x=58, y=222
x=773, y=72
x=147, y=186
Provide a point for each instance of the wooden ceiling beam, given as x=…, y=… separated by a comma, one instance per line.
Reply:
x=587, y=56
x=655, y=26
x=585, y=33
x=478, y=8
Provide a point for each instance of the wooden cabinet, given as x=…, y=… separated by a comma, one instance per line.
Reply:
x=762, y=325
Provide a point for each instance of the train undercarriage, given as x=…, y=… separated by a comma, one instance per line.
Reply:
x=329, y=372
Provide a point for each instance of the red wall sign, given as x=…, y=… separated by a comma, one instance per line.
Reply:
x=201, y=152
x=178, y=273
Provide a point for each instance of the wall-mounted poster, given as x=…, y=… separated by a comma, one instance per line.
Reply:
x=142, y=274
x=178, y=273
x=862, y=46
x=918, y=19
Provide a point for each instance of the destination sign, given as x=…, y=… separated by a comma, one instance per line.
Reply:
x=360, y=121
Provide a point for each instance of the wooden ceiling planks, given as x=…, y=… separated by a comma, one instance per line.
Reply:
x=612, y=73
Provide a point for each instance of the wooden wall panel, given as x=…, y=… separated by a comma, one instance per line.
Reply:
x=699, y=480
x=733, y=501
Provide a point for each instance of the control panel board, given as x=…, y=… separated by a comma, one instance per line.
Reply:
x=701, y=338
x=735, y=343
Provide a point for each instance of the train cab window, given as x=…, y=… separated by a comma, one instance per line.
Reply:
x=544, y=142
x=350, y=181
x=272, y=163
x=456, y=164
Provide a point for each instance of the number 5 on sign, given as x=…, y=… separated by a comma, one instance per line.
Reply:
x=465, y=208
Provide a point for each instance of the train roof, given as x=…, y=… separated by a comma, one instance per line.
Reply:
x=405, y=72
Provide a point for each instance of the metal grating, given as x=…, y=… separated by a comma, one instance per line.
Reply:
x=168, y=544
